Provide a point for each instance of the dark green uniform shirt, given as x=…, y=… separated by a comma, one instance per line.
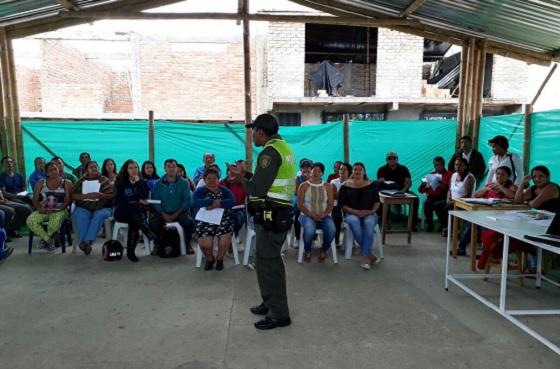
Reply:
x=268, y=163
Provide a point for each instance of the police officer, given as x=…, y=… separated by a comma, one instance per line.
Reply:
x=270, y=192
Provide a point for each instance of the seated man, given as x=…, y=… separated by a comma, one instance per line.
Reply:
x=39, y=172
x=208, y=159
x=81, y=170
x=5, y=251
x=10, y=181
x=394, y=176
x=175, y=196
x=435, y=185
x=15, y=214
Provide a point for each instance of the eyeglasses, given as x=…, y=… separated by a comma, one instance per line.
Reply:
x=392, y=158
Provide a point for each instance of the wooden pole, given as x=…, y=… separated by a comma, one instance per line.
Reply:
x=346, y=137
x=474, y=88
x=3, y=126
x=7, y=94
x=462, y=95
x=151, y=136
x=247, y=84
x=527, y=138
x=543, y=85
x=20, y=159
x=481, y=70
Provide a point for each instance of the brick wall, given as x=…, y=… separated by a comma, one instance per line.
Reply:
x=509, y=79
x=70, y=83
x=29, y=88
x=399, y=64
x=119, y=100
x=285, y=60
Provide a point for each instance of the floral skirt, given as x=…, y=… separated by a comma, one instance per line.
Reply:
x=204, y=229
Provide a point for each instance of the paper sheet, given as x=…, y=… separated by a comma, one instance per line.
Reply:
x=90, y=186
x=213, y=216
x=433, y=180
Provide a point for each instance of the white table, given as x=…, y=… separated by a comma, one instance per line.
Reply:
x=501, y=221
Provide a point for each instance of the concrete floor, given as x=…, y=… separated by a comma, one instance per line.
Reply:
x=80, y=312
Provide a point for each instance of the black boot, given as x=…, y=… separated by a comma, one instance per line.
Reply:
x=131, y=245
x=142, y=222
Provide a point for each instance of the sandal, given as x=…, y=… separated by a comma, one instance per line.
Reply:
x=322, y=256
x=83, y=247
x=307, y=257
x=374, y=260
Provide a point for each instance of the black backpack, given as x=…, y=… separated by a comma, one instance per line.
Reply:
x=169, y=244
x=112, y=250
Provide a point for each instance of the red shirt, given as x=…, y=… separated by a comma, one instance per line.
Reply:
x=442, y=188
x=332, y=176
x=238, y=191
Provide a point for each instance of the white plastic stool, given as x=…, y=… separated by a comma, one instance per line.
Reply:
x=349, y=241
x=302, y=247
x=200, y=254
x=179, y=229
x=124, y=226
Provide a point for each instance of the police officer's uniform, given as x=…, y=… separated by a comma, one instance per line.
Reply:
x=270, y=194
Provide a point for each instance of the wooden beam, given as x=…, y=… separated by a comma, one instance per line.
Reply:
x=411, y=8
x=15, y=114
x=462, y=95
x=346, y=137
x=69, y=5
x=479, y=96
x=3, y=122
x=317, y=19
x=469, y=89
x=527, y=137
x=543, y=85
x=151, y=136
x=247, y=83
x=7, y=95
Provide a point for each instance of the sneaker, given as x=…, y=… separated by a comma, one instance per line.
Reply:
x=51, y=247
x=42, y=245
x=365, y=266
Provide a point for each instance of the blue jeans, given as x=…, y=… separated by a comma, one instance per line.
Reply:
x=309, y=226
x=363, y=230
x=239, y=217
x=90, y=222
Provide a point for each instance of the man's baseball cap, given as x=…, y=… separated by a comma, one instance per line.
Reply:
x=266, y=121
x=501, y=141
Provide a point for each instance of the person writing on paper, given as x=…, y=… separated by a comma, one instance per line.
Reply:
x=93, y=195
x=315, y=202
x=271, y=191
x=175, y=196
x=462, y=185
x=501, y=188
x=51, y=198
x=359, y=200
x=435, y=185
x=214, y=197
x=131, y=192
x=394, y=176
x=236, y=187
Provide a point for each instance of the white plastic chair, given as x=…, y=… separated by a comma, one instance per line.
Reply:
x=349, y=241
x=249, y=243
x=200, y=254
x=179, y=229
x=124, y=226
x=302, y=247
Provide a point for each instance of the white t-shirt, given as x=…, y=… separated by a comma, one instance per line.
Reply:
x=336, y=183
x=506, y=161
x=458, y=188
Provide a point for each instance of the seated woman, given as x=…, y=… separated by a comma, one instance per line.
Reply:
x=130, y=203
x=315, y=202
x=359, y=200
x=212, y=196
x=91, y=208
x=304, y=175
x=236, y=187
x=501, y=188
x=543, y=195
x=109, y=170
x=462, y=185
x=182, y=172
x=51, y=198
x=149, y=174
x=435, y=186
x=344, y=172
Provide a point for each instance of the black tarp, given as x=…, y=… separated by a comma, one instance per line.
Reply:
x=327, y=77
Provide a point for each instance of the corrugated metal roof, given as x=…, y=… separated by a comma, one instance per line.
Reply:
x=533, y=24
x=16, y=11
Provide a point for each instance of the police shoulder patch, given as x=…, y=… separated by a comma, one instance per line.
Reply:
x=264, y=161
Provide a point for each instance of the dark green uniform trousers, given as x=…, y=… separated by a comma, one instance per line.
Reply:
x=270, y=271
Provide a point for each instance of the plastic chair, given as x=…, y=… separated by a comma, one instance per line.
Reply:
x=250, y=237
x=180, y=230
x=124, y=226
x=200, y=254
x=319, y=232
x=349, y=241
